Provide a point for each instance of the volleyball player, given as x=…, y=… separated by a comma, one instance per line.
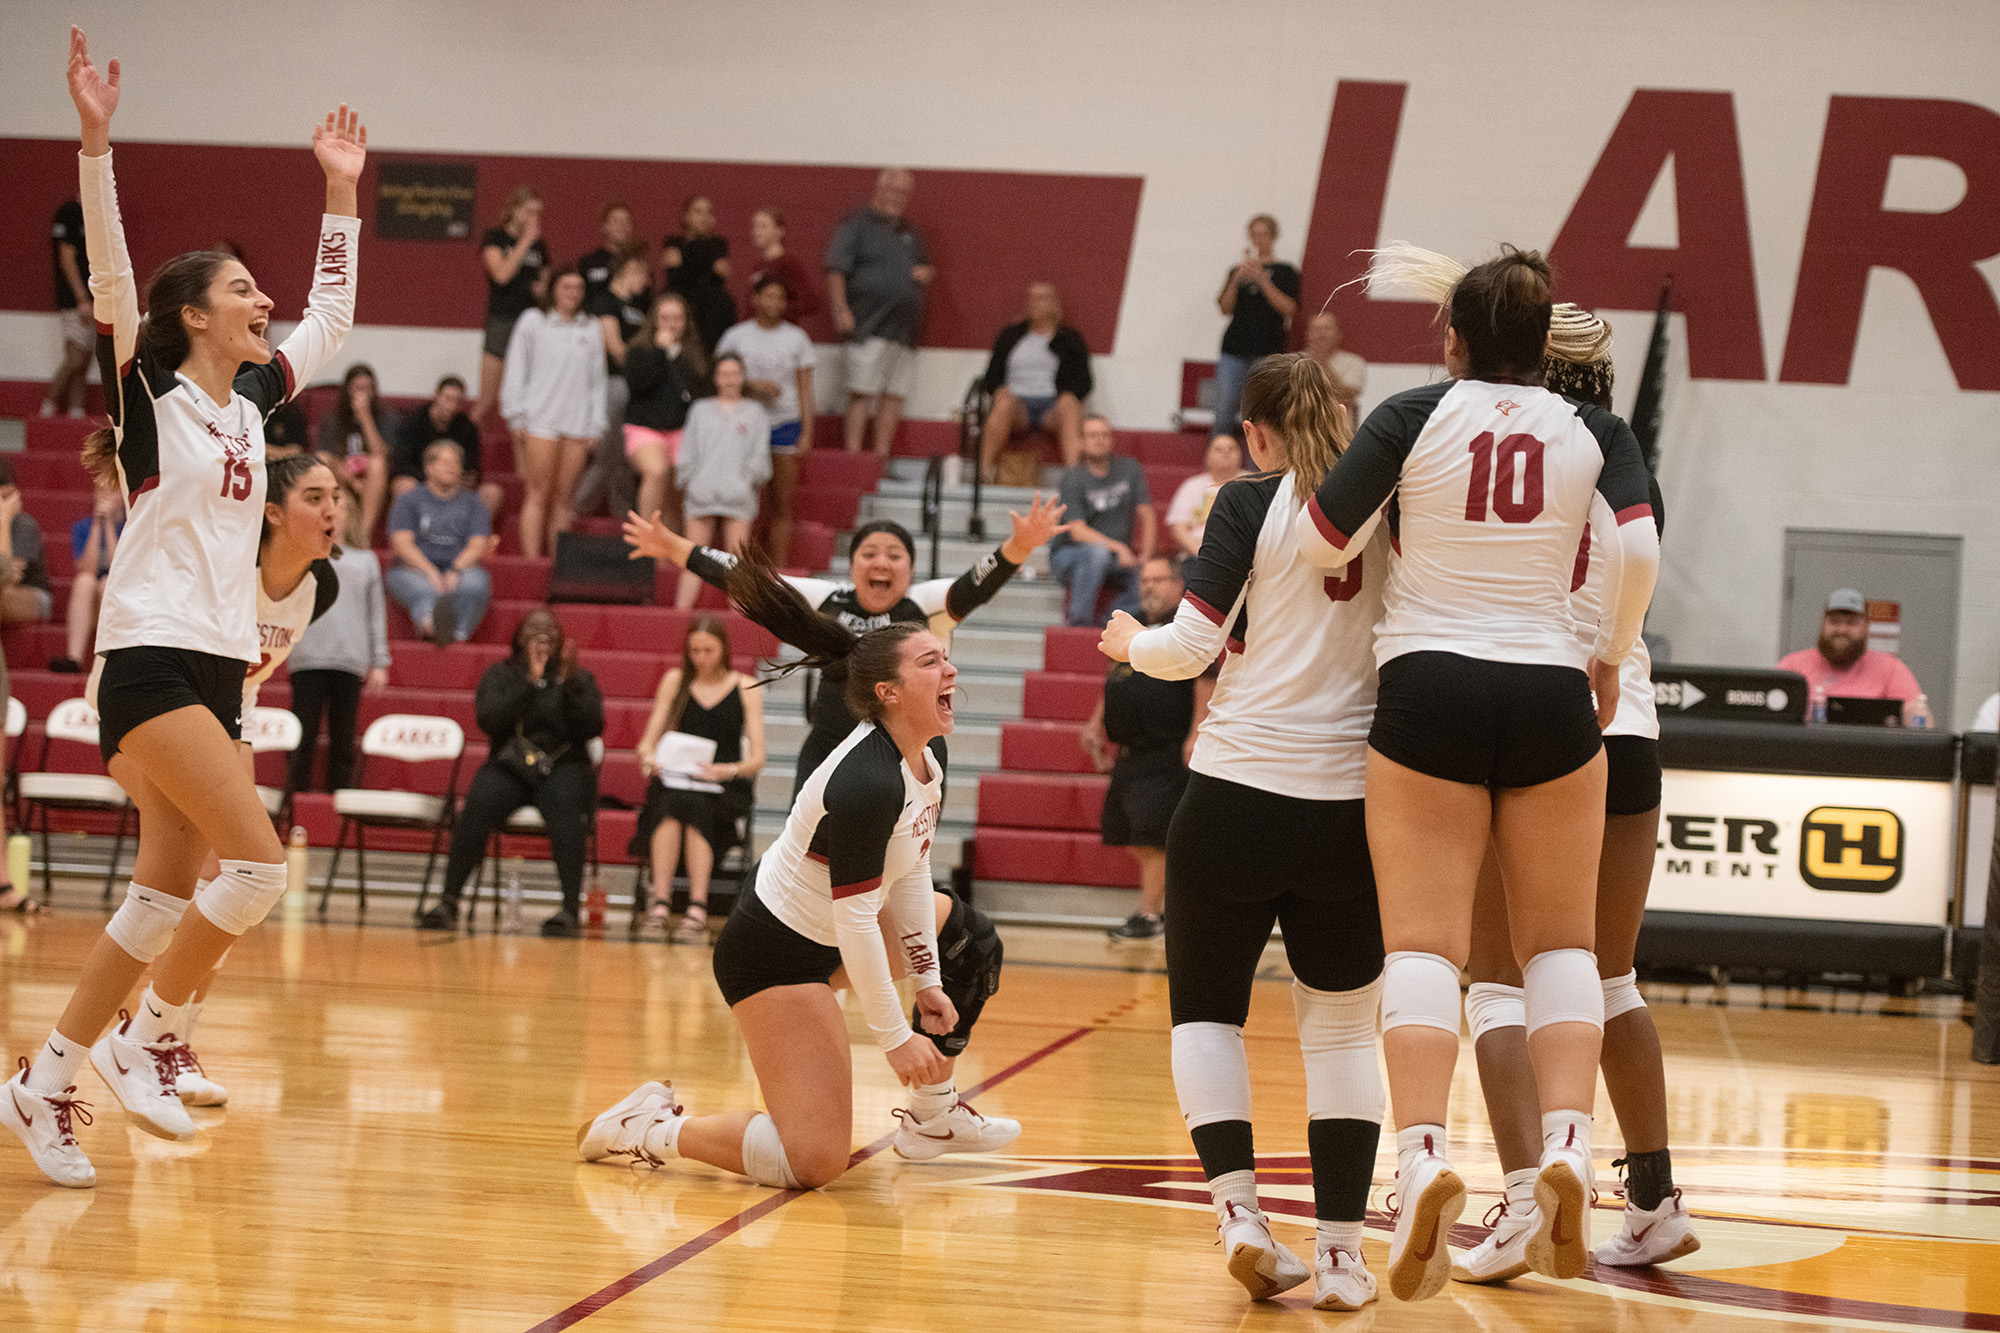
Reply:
x=177, y=629
x=1656, y=1227
x=1484, y=728
x=1271, y=831
x=845, y=889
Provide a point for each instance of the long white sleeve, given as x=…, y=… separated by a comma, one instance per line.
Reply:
x=520, y=362
x=911, y=912
x=1185, y=646
x=329, y=313
x=1631, y=568
x=863, y=953
x=113, y=290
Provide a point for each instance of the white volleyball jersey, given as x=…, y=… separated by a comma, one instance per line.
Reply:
x=1636, y=715
x=856, y=845
x=192, y=468
x=1296, y=695
x=280, y=623
x=1493, y=484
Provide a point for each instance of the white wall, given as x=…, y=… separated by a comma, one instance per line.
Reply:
x=1223, y=109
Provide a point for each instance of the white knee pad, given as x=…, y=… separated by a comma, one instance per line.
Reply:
x=1490, y=1006
x=242, y=895
x=1562, y=987
x=145, y=921
x=1211, y=1073
x=764, y=1156
x=1621, y=995
x=1337, y=1039
x=1420, y=990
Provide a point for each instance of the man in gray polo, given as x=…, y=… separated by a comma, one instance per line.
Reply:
x=877, y=272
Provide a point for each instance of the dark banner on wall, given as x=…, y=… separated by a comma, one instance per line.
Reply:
x=425, y=201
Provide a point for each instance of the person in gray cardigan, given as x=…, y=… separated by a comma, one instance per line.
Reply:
x=342, y=652
x=724, y=461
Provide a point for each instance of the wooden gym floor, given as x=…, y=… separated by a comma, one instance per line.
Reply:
x=397, y=1154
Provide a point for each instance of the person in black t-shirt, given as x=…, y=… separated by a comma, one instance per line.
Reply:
x=443, y=418
x=694, y=264
x=1151, y=723
x=73, y=306
x=517, y=265
x=620, y=306
x=1259, y=296
x=597, y=267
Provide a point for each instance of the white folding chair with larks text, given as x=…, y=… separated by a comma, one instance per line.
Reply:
x=72, y=722
x=411, y=738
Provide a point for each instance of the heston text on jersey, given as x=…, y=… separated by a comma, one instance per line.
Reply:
x=1848, y=231
x=1747, y=843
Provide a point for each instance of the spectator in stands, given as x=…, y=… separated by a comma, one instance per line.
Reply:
x=73, y=310
x=92, y=543
x=601, y=265
x=286, y=434
x=665, y=371
x=1259, y=296
x=515, y=258
x=694, y=263
x=354, y=439
x=1187, y=515
x=24, y=566
x=538, y=698
x=342, y=653
x=1039, y=375
x=778, y=366
x=1842, y=664
x=767, y=238
x=724, y=460
x=440, y=532
x=443, y=418
x=1152, y=722
x=707, y=698
x=620, y=307
x=1108, y=493
x=877, y=273
x=1349, y=371
x=553, y=400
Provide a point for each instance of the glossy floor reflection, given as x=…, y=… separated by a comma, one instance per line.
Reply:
x=397, y=1154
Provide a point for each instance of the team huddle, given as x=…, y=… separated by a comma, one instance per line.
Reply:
x=1433, y=713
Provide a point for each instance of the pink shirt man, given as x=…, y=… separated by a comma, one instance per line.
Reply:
x=1842, y=665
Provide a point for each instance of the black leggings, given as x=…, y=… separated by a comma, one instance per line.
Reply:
x=565, y=798
x=336, y=696
x=1240, y=860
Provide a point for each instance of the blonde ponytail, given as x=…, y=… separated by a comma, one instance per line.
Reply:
x=1292, y=396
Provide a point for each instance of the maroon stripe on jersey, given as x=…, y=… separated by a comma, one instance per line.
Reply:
x=1334, y=536
x=850, y=890
x=815, y=856
x=104, y=330
x=146, y=485
x=1630, y=512
x=1582, y=571
x=291, y=384
x=1214, y=616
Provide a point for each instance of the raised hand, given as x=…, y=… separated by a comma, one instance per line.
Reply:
x=1116, y=641
x=96, y=97
x=340, y=142
x=1042, y=521
x=649, y=536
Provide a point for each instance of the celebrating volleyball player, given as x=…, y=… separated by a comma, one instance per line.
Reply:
x=1271, y=831
x=854, y=855
x=1484, y=728
x=177, y=630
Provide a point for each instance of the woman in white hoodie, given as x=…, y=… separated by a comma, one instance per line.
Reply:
x=553, y=400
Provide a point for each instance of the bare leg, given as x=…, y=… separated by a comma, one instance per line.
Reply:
x=700, y=864
x=491, y=494
x=784, y=487
x=735, y=535
x=538, y=475
x=1506, y=1076
x=666, y=851
x=20, y=604
x=700, y=531
x=572, y=457
x=650, y=461
x=1152, y=878
x=1633, y=1072
x=82, y=614
x=374, y=493
x=1069, y=428
x=66, y=389
x=797, y=1039
x=1001, y=423
x=491, y=370
x=856, y=425
x=887, y=418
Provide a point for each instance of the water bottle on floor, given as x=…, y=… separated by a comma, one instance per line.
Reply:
x=510, y=898
x=593, y=902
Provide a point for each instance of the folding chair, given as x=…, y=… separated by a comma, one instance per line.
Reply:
x=273, y=731
x=17, y=724
x=733, y=869
x=527, y=822
x=411, y=738
x=72, y=722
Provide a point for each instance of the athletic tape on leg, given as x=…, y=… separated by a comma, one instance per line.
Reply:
x=242, y=895
x=1561, y=986
x=1211, y=1073
x=764, y=1156
x=144, y=923
x=1490, y=1006
x=1420, y=990
x=1337, y=1040
x=1621, y=995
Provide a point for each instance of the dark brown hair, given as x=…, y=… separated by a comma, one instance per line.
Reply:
x=715, y=628
x=100, y=456
x=180, y=282
x=864, y=661
x=691, y=349
x=540, y=616
x=549, y=291
x=281, y=477
x=1501, y=309
x=343, y=407
x=1291, y=395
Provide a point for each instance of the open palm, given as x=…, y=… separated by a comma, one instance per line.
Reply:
x=340, y=142
x=96, y=97
x=1042, y=521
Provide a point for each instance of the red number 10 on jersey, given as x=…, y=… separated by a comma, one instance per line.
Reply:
x=1494, y=470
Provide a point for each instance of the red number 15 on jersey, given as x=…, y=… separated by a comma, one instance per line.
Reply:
x=235, y=479
x=1494, y=471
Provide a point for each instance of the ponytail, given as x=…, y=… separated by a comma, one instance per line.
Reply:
x=100, y=456
x=1501, y=309
x=864, y=661
x=181, y=282
x=1292, y=396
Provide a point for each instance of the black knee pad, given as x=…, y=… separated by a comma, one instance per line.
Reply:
x=969, y=958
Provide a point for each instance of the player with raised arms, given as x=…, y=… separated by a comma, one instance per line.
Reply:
x=1271, y=831
x=189, y=388
x=1485, y=730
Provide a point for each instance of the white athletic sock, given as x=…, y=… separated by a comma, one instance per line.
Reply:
x=1339, y=1235
x=1521, y=1190
x=929, y=1099
x=189, y=1017
x=56, y=1064
x=1237, y=1187
x=663, y=1137
x=154, y=1019
x=1565, y=1129
x=1414, y=1142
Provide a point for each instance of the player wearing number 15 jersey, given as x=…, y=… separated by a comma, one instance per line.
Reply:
x=1483, y=726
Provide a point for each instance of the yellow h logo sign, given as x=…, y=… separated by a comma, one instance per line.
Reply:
x=1852, y=850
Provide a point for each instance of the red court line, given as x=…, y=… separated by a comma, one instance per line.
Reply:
x=722, y=1231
